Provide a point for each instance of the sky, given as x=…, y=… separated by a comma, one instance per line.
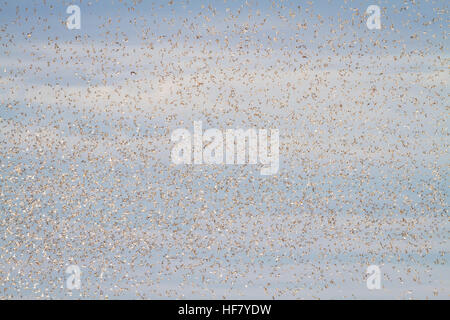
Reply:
x=86, y=176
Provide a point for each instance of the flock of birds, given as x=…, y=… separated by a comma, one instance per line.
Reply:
x=85, y=173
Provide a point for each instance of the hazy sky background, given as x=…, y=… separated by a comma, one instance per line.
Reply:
x=86, y=179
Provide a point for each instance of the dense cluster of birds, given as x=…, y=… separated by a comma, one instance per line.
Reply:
x=86, y=178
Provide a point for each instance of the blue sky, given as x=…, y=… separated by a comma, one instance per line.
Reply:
x=85, y=123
